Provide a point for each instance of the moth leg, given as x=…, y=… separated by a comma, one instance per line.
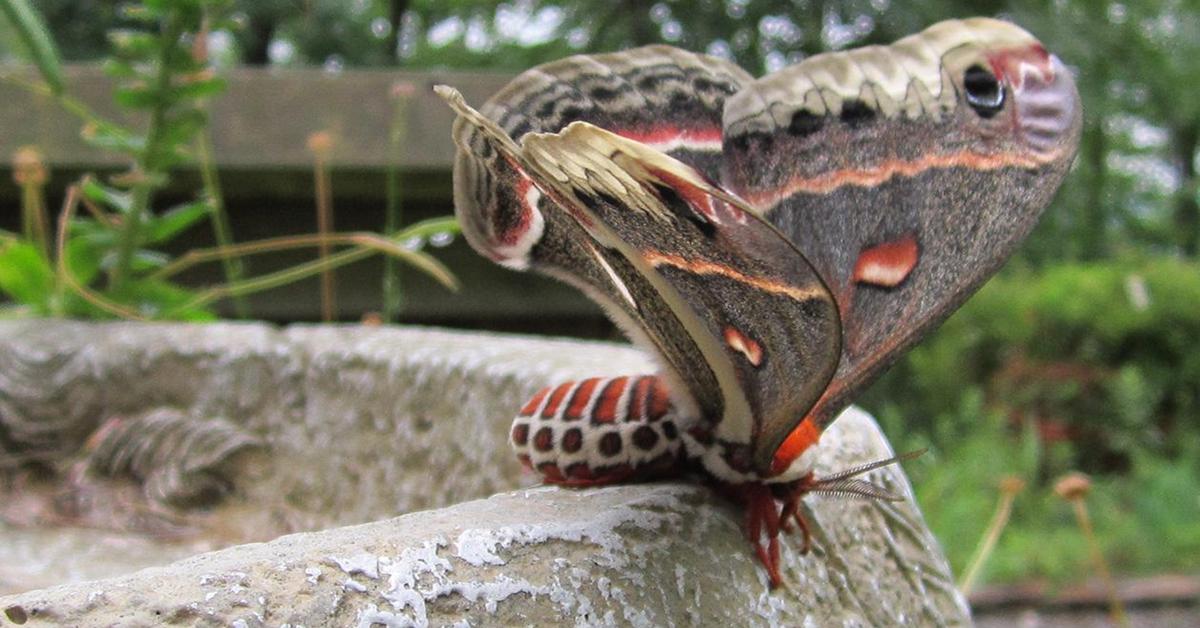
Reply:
x=762, y=517
x=791, y=512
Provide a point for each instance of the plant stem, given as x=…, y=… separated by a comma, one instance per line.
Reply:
x=145, y=163
x=390, y=246
x=321, y=144
x=1116, y=608
x=392, y=293
x=234, y=269
x=33, y=217
x=63, y=266
x=71, y=105
x=988, y=543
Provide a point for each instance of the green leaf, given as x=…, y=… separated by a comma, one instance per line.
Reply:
x=157, y=298
x=96, y=234
x=132, y=44
x=174, y=221
x=203, y=88
x=137, y=13
x=137, y=97
x=33, y=33
x=83, y=258
x=162, y=7
x=145, y=260
x=119, y=69
x=182, y=127
x=25, y=275
x=107, y=137
x=426, y=228
x=109, y=197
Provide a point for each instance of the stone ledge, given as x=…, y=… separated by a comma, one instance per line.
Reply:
x=361, y=424
x=648, y=555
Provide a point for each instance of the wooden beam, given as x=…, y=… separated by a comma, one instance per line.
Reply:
x=265, y=117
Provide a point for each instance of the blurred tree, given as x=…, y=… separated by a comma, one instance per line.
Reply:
x=1135, y=181
x=1135, y=184
x=80, y=27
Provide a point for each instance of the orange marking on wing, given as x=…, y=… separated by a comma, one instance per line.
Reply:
x=535, y=403
x=579, y=400
x=657, y=258
x=743, y=344
x=804, y=436
x=556, y=399
x=873, y=176
x=669, y=134
x=606, y=407
x=887, y=264
x=700, y=201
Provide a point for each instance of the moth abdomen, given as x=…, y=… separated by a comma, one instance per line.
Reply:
x=600, y=430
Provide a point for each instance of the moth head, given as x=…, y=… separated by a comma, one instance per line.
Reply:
x=1007, y=87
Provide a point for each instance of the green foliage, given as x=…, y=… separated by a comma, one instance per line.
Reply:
x=107, y=263
x=1147, y=521
x=1100, y=354
x=1086, y=366
x=158, y=73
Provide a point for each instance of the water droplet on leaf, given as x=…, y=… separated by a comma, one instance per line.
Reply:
x=441, y=239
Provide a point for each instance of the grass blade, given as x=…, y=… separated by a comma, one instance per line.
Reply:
x=33, y=33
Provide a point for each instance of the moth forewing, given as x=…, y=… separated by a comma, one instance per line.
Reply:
x=710, y=280
x=602, y=223
x=470, y=118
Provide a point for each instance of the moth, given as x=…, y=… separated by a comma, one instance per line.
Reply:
x=776, y=243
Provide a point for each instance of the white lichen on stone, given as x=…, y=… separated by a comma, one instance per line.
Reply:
x=406, y=572
x=491, y=593
x=364, y=563
x=479, y=547
x=313, y=574
x=372, y=617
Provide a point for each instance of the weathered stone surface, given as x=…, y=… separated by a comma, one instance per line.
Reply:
x=649, y=555
x=354, y=417
x=418, y=418
x=362, y=424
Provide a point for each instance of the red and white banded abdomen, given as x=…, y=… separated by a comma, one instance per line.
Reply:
x=600, y=430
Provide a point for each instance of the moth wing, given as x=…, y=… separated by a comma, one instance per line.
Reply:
x=669, y=98
x=906, y=174
x=763, y=320
x=665, y=96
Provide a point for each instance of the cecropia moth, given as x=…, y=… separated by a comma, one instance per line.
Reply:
x=776, y=243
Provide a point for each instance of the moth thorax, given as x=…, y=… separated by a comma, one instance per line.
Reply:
x=729, y=463
x=800, y=467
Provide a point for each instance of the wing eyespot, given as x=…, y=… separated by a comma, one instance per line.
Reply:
x=984, y=92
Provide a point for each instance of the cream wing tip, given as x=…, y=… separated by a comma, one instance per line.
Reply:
x=452, y=97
